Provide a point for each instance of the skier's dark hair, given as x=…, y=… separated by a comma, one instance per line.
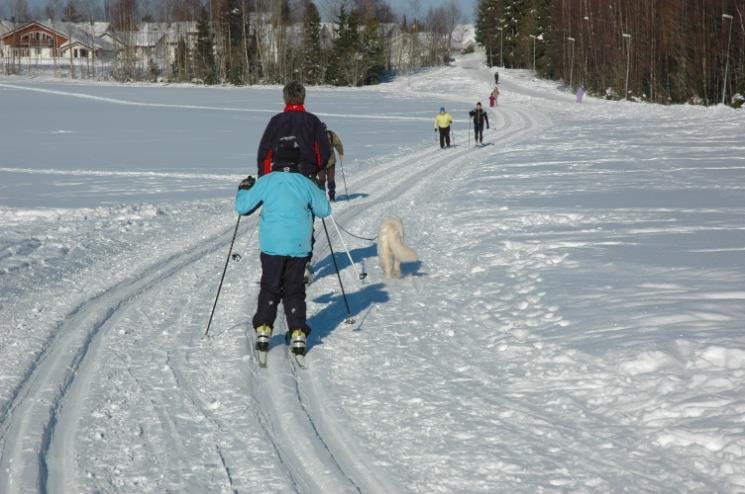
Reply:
x=294, y=93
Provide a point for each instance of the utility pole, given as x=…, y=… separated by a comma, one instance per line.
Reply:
x=571, y=64
x=628, y=60
x=501, y=53
x=726, y=64
x=533, y=37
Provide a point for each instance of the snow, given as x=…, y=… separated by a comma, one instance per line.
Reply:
x=574, y=323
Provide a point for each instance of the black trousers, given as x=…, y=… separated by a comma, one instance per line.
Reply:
x=444, y=136
x=478, y=132
x=282, y=280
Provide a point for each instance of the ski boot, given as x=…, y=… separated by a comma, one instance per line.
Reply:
x=263, y=337
x=297, y=342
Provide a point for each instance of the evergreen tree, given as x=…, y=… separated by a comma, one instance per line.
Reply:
x=312, y=68
x=204, y=58
x=373, y=53
x=345, y=67
x=487, y=34
x=71, y=12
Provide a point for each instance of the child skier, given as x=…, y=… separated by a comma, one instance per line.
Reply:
x=288, y=201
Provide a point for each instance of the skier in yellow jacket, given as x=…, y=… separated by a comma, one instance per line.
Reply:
x=443, y=120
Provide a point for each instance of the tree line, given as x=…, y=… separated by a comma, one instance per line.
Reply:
x=665, y=51
x=270, y=41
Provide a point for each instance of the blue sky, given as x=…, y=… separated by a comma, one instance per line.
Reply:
x=400, y=6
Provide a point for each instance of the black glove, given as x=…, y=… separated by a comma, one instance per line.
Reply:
x=247, y=183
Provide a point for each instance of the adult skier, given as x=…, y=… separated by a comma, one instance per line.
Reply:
x=443, y=121
x=496, y=77
x=479, y=117
x=329, y=172
x=294, y=138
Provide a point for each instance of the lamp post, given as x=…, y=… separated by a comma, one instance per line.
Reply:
x=533, y=37
x=628, y=60
x=501, y=56
x=726, y=64
x=571, y=63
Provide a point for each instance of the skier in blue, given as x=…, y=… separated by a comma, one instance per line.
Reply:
x=288, y=203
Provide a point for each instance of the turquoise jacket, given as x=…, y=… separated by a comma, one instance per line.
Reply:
x=290, y=201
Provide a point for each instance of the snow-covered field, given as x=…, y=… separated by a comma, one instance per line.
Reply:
x=575, y=323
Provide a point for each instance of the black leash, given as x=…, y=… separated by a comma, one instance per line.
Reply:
x=356, y=236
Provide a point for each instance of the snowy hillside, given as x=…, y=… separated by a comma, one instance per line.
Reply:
x=574, y=324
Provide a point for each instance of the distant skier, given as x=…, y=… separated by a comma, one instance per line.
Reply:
x=580, y=93
x=493, y=96
x=443, y=121
x=496, y=77
x=289, y=201
x=329, y=171
x=479, y=117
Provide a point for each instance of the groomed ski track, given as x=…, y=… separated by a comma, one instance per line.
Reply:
x=126, y=382
x=48, y=418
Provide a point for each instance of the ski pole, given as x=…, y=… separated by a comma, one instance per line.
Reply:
x=349, y=319
x=346, y=192
x=227, y=261
x=362, y=275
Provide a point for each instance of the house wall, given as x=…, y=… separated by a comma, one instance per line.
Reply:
x=33, y=41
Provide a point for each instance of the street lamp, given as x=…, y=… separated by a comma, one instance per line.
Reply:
x=501, y=56
x=628, y=60
x=726, y=64
x=571, y=63
x=533, y=36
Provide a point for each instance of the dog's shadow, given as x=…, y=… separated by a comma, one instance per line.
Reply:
x=334, y=314
x=412, y=269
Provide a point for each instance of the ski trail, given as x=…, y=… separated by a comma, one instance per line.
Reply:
x=40, y=422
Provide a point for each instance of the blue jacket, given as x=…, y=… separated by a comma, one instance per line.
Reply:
x=290, y=201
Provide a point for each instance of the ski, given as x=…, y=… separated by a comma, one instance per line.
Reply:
x=297, y=358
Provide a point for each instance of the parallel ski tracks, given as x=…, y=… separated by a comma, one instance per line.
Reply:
x=38, y=424
x=36, y=447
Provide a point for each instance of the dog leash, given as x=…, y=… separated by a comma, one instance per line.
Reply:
x=355, y=236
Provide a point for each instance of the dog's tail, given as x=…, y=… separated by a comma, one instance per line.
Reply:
x=402, y=252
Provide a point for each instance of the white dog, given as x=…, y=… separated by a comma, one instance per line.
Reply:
x=391, y=248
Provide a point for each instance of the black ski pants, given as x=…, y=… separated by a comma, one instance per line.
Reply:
x=444, y=136
x=478, y=132
x=282, y=279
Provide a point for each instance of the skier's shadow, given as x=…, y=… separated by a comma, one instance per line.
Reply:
x=349, y=197
x=326, y=266
x=334, y=314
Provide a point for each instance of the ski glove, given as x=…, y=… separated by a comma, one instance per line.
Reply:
x=247, y=183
